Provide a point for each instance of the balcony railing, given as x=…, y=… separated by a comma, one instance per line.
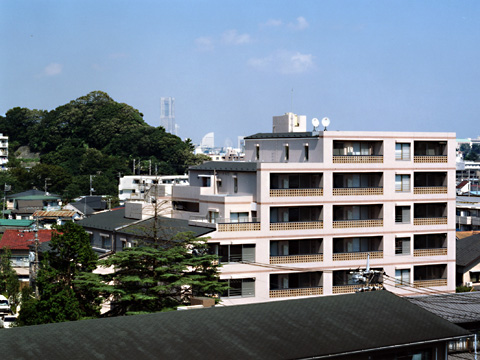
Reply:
x=430, y=190
x=227, y=224
x=357, y=191
x=300, y=225
x=357, y=255
x=430, y=252
x=430, y=159
x=430, y=221
x=430, y=283
x=295, y=192
x=290, y=259
x=358, y=159
x=344, y=289
x=345, y=224
x=296, y=292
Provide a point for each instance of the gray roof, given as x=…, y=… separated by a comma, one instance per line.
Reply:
x=307, y=134
x=33, y=192
x=292, y=329
x=457, y=308
x=108, y=220
x=226, y=166
x=468, y=250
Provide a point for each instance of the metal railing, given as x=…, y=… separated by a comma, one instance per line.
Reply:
x=358, y=159
x=296, y=292
x=300, y=225
x=430, y=159
x=430, y=252
x=358, y=191
x=357, y=255
x=296, y=192
x=430, y=190
x=290, y=259
x=345, y=224
x=430, y=283
x=344, y=289
x=430, y=221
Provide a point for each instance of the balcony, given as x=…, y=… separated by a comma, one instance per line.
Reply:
x=430, y=183
x=297, y=184
x=241, y=253
x=430, y=244
x=429, y=283
x=296, y=218
x=227, y=224
x=430, y=214
x=344, y=289
x=357, y=152
x=430, y=152
x=346, y=224
x=296, y=292
x=430, y=252
x=357, y=191
x=357, y=255
x=357, y=216
x=430, y=275
x=296, y=284
x=291, y=259
x=295, y=251
x=300, y=225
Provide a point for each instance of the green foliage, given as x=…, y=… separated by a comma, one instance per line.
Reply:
x=92, y=135
x=462, y=288
x=61, y=299
x=162, y=277
x=9, y=283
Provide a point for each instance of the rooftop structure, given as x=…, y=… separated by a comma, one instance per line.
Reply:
x=307, y=207
x=144, y=187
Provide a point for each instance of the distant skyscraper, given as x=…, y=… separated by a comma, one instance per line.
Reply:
x=167, y=114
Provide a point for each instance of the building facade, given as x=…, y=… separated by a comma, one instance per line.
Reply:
x=141, y=187
x=3, y=152
x=167, y=115
x=307, y=208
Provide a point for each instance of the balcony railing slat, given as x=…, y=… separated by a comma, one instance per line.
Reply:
x=430, y=252
x=296, y=292
x=301, y=225
x=430, y=190
x=430, y=221
x=357, y=255
x=358, y=159
x=295, y=192
x=290, y=259
x=357, y=191
x=430, y=283
x=430, y=159
x=345, y=224
x=344, y=289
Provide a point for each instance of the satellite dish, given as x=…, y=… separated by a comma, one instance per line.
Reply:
x=315, y=123
x=325, y=123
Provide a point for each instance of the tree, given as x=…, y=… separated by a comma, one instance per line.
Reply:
x=9, y=284
x=61, y=299
x=159, y=276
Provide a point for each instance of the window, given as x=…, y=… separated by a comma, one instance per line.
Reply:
x=239, y=287
x=402, y=183
x=402, y=246
x=106, y=242
x=257, y=152
x=306, y=152
x=402, y=151
x=287, y=152
x=402, y=214
x=402, y=276
x=357, y=244
x=233, y=253
x=213, y=216
x=235, y=184
x=295, y=247
x=236, y=217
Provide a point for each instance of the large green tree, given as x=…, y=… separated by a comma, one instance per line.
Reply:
x=61, y=299
x=9, y=283
x=160, y=275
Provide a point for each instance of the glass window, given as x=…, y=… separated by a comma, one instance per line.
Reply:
x=402, y=183
x=402, y=276
x=402, y=246
x=402, y=214
x=402, y=151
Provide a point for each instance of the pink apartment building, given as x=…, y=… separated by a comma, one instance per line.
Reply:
x=307, y=207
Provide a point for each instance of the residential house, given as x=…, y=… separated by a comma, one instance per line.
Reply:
x=372, y=325
x=307, y=207
x=20, y=243
x=47, y=218
x=14, y=224
x=86, y=206
x=468, y=261
x=468, y=213
x=24, y=204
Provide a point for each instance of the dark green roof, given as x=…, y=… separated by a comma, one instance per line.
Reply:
x=307, y=134
x=226, y=166
x=293, y=329
x=108, y=220
x=167, y=228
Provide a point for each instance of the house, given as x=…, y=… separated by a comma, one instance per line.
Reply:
x=87, y=206
x=137, y=187
x=468, y=213
x=14, y=224
x=307, y=207
x=24, y=204
x=372, y=325
x=20, y=242
x=47, y=218
x=468, y=261
x=121, y=227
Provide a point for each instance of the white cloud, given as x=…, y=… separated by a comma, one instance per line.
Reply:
x=232, y=37
x=273, y=22
x=300, y=24
x=52, y=69
x=204, y=43
x=284, y=62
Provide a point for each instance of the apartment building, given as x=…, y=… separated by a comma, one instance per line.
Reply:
x=142, y=187
x=308, y=207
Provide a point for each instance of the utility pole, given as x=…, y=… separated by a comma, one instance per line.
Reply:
x=34, y=261
x=369, y=279
x=150, y=167
x=133, y=166
x=46, y=184
x=91, y=188
x=6, y=188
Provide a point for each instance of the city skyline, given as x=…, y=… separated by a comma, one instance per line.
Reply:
x=367, y=65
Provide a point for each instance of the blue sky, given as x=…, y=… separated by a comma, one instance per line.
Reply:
x=231, y=65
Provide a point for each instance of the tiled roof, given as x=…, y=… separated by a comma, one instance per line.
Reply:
x=108, y=220
x=468, y=250
x=457, y=308
x=291, y=329
x=226, y=166
x=54, y=213
x=21, y=240
x=462, y=184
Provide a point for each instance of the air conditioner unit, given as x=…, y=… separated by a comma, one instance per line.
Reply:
x=469, y=284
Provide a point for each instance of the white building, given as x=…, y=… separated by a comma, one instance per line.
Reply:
x=306, y=208
x=142, y=187
x=167, y=115
x=3, y=152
